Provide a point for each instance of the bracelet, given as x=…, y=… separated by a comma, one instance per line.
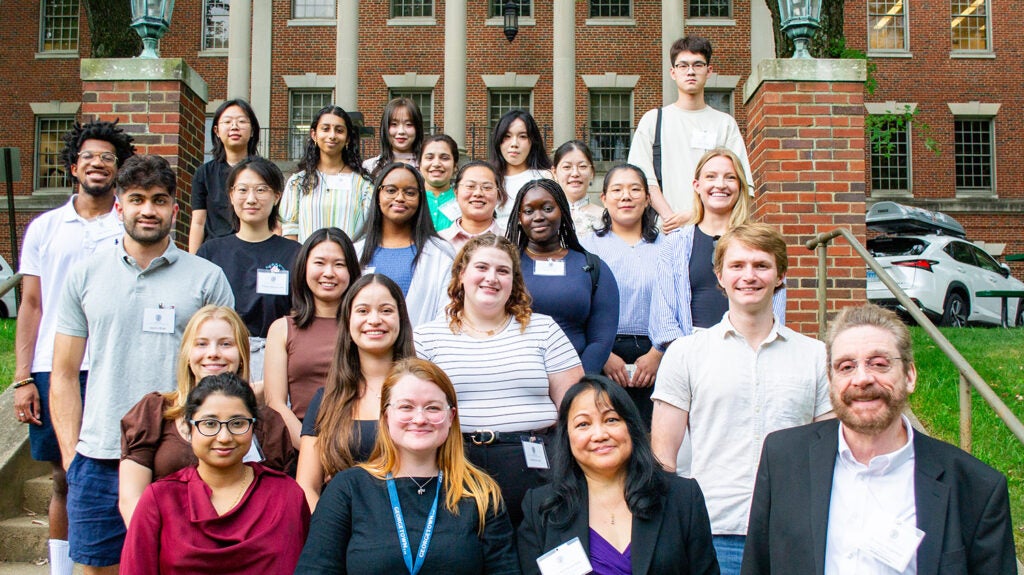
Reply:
x=23, y=383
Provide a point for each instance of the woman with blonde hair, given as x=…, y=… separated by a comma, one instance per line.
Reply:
x=418, y=504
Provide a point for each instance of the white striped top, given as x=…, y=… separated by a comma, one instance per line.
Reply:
x=339, y=201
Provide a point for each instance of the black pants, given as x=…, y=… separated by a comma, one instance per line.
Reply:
x=629, y=348
x=506, y=464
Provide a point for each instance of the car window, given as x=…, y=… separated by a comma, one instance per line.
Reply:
x=961, y=252
x=985, y=261
x=896, y=246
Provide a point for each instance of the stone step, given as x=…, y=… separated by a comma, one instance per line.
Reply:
x=24, y=539
x=36, y=496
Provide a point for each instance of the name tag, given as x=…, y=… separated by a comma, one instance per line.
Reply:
x=369, y=270
x=894, y=544
x=158, y=320
x=702, y=139
x=451, y=210
x=569, y=558
x=549, y=268
x=272, y=282
x=536, y=457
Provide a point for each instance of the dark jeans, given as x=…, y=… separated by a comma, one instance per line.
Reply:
x=629, y=348
x=506, y=464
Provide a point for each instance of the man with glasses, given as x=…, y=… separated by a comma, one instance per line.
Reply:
x=866, y=493
x=130, y=304
x=53, y=243
x=668, y=151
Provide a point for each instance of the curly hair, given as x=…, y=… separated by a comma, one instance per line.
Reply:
x=106, y=131
x=518, y=304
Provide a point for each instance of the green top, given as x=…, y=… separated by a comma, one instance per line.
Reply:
x=441, y=204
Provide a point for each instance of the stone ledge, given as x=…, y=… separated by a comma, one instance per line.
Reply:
x=138, y=69
x=804, y=70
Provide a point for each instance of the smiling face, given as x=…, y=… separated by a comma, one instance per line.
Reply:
x=401, y=130
x=253, y=200
x=540, y=217
x=865, y=400
x=598, y=437
x=223, y=450
x=330, y=135
x=326, y=273
x=399, y=196
x=515, y=146
x=625, y=198
x=487, y=280
x=477, y=194
x=374, y=323
x=718, y=185
x=749, y=277
x=574, y=173
x=95, y=175
x=418, y=397
x=148, y=214
x=234, y=128
x=437, y=164
x=214, y=349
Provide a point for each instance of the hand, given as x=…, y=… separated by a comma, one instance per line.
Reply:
x=26, y=404
x=615, y=369
x=257, y=389
x=647, y=368
x=676, y=220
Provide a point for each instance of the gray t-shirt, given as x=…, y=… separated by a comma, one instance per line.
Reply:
x=133, y=320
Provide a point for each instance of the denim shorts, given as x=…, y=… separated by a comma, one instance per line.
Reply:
x=95, y=528
x=42, y=437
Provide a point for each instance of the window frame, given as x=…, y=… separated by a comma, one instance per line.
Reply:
x=693, y=8
x=592, y=133
x=954, y=24
x=38, y=164
x=414, y=4
x=412, y=94
x=313, y=4
x=958, y=157
x=497, y=9
x=878, y=160
x=297, y=138
x=206, y=37
x=492, y=119
x=592, y=15
x=904, y=16
x=46, y=24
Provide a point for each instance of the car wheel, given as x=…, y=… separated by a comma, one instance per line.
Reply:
x=1020, y=313
x=956, y=311
x=3, y=310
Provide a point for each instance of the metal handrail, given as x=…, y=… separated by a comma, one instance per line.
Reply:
x=968, y=377
x=9, y=284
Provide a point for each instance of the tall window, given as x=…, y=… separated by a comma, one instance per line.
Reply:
x=215, y=24
x=302, y=107
x=610, y=9
x=49, y=133
x=501, y=101
x=973, y=154
x=411, y=8
x=969, y=24
x=887, y=25
x=498, y=8
x=890, y=165
x=313, y=8
x=207, y=139
x=720, y=100
x=611, y=115
x=710, y=8
x=424, y=100
x=58, y=26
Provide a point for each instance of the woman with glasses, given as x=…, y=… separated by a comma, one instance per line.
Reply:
x=220, y=515
x=154, y=433
x=574, y=170
x=235, y=133
x=340, y=427
x=627, y=239
x=399, y=241
x=418, y=505
x=478, y=191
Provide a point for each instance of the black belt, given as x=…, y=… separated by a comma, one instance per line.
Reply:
x=489, y=437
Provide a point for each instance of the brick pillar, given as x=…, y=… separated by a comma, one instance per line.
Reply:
x=162, y=104
x=805, y=131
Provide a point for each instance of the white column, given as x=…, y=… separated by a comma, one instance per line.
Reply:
x=762, y=38
x=563, y=88
x=261, y=63
x=455, y=71
x=671, y=30
x=239, y=48
x=346, y=88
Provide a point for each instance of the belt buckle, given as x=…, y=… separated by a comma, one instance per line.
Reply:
x=480, y=432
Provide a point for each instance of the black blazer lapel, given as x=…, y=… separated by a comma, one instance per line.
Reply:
x=642, y=540
x=931, y=498
x=822, y=462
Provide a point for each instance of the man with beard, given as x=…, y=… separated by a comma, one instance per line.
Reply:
x=54, y=242
x=865, y=493
x=131, y=305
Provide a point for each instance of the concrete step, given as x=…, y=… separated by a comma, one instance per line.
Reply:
x=24, y=539
x=36, y=495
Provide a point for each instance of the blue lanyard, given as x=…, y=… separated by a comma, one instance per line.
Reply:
x=403, y=536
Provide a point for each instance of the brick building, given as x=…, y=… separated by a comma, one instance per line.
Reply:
x=586, y=69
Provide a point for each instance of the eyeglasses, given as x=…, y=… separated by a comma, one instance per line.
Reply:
x=105, y=157
x=260, y=191
x=235, y=425
x=433, y=413
x=631, y=192
x=407, y=193
x=879, y=364
x=240, y=122
x=697, y=66
x=473, y=186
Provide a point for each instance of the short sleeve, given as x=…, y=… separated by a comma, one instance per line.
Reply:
x=672, y=385
x=423, y=342
x=71, y=318
x=141, y=429
x=220, y=291
x=559, y=354
x=290, y=205
x=200, y=191
x=641, y=152
x=309, y=422
x=30, y=263
x=822, y=403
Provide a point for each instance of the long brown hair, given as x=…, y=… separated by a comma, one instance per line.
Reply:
x=461, y=478
x=742, y=208
x=518, y=304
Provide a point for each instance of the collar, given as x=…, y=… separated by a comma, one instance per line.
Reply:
x=170, y=255
x=879, y=464
x=462, y=233
x=579, y=204
x=725, y=329
x=70, y=214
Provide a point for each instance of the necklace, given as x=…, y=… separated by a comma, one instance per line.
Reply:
x=556, y=254
x=422, y=487
x=487, y=332
x=245, y=484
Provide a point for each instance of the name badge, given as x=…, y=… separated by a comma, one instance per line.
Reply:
x=569, y=558
x=158, y=320
x=549, y=268
x=369, y=270
x=894, y=544
x=451, y=210
x=536, y=457
x=702, y=139
x=272, y=282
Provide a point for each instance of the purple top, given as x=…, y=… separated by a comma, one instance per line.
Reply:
x=606, y=559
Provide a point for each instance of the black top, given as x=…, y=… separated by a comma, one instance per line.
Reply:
x=352, y=531
x=240, y=261
x=209, y=192
x=364, y=431
x=708, y=302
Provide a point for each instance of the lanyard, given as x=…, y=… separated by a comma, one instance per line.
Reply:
x=403, y=536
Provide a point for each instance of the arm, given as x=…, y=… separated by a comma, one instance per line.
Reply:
x=310, y=473
x=133, y=478
x=329, y=532
x=698, y=535
x=289, y=206
x=498, y=544
x=603, y=321
x=196, y=230
x=141, y=554
x=668, y=427
x=756, y=555
x=275, y=378
x=779, y=304
x=529, y=536
x=991, y=549
x=560, y=382
x=26, y=398
x=66, y=393
x=669, y=317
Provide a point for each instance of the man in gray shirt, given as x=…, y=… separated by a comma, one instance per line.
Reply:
x=131, y=305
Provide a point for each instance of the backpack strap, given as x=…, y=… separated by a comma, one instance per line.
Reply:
x=656, y=151
x=593, y=267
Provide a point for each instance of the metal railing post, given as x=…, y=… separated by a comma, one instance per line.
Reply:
x=822, y=290
x=965, y=414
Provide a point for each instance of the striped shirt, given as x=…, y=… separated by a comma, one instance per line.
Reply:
x=501, y=381
x=636, y=271
x=336, y=201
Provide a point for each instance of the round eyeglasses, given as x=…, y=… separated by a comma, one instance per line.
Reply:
x=212, y=427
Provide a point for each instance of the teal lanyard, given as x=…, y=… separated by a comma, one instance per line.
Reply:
x=403, y=535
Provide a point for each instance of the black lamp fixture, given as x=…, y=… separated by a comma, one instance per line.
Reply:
x=511, y=13
x=151, y=19
x=800, y=20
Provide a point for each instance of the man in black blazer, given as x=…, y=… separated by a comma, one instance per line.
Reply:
x=838, y=496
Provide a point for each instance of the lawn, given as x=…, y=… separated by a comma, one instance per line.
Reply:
x=6, y=353
x=998, y=357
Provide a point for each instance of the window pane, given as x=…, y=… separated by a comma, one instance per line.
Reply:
x=890, y=166
x=207, y=140
x=49, y=133
x=313, y=8
x=611, y=115
x=609, y=8
x=502, y=101
x=972, y=149
x=304, y=105
x=720, y=100
x=215, y=25
x=498, y=8
x=710, y=8
x=969, y=24
x=59, y=25
x=411, y=8
x=887, y=25
x=424, y=100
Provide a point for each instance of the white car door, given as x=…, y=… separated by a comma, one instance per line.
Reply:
x=991, y=274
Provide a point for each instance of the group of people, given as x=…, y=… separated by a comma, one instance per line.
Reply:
x=408, y=364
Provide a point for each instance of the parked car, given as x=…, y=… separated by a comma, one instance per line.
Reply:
x=8, y=304
x=940, y=272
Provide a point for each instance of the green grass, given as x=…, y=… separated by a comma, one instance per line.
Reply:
x=6, y=353
x=998, y=357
